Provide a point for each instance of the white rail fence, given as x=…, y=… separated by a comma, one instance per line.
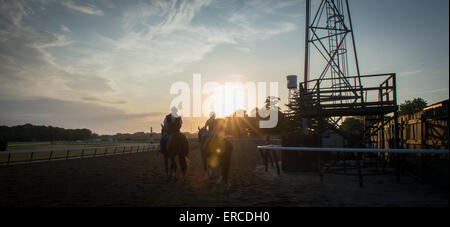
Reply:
x=354, y=150
x=28, y=156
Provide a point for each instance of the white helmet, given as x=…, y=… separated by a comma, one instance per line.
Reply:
x=174, y=111
x=212, y=114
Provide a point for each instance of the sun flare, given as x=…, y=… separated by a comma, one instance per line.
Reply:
x=228, y=99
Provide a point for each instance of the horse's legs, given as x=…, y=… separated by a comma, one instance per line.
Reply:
x=209, y=173
x=204, y=162
x=219, y=170
x=225, y=167
x=205, y=167
x=219, y=180
x=166, y=164
x=173, y=166
x=182, y=161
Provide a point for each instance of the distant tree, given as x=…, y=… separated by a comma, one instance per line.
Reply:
x=412, y=106
x=29, y=132
x=295, y=107
x=353, y=125
x=272, y=99
x=284, y=124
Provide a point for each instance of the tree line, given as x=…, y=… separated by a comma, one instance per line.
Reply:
x=356, y=125
x=29, y=132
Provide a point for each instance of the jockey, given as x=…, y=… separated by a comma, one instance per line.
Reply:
x=172, y=125
x=211, y=124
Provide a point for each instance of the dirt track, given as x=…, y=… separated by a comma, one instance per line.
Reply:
x=138, y=180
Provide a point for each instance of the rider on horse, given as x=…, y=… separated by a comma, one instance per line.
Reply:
x=215, y=149
x=211, y=122
x=210, y=125
x=172, y=125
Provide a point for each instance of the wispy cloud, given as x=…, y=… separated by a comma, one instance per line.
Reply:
x=28, y=68
x=425, y=92
x=409, y=73
x=12, y=14
x=164, y=37
x=84, y=8
x=95, y=99
x=157, y=38
x=65, y=29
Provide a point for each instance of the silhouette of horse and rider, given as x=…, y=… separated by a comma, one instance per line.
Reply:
x=214, y=147
x=174, y=144
x=215, y=150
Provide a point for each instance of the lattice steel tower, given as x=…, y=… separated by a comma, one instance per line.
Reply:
x=335, y=88
x=328, y=33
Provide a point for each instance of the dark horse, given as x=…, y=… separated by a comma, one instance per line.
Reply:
x=176, y=145
x=216, y=152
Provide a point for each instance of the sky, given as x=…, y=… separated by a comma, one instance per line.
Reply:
x=108, y=65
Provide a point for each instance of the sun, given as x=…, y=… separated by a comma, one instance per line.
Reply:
x=229, y=98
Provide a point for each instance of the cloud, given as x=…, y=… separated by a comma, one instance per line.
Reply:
x=87, y=83
x=164, y=37
x=84, y=8
x=12, y=14
x=28, y=68
x=409, y=73
x=65, y=29
x=159, y=38
x=424, y=92
x=95, y=99
x=243, y=49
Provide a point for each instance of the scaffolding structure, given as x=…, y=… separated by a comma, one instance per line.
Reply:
x=323, y=99
x=334, y=89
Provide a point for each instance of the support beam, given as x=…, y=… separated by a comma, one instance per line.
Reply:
x=306, y=72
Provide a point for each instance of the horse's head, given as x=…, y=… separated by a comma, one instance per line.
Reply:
x=162, y=129
x=201, y=133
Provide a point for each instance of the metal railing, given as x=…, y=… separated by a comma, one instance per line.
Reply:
x=357, y=151
x=28, y=156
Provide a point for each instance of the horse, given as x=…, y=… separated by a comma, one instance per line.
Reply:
x=216, y=154
x=202, y=138
x=177, y=145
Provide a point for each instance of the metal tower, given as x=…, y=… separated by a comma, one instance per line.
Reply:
x=328, y=33
x=335, y=89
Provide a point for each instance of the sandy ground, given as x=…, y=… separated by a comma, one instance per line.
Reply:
x=138, y=180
